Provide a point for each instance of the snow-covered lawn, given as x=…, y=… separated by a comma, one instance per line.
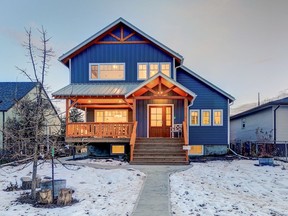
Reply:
x=103, y=162
x=230, y=188
x=99, y=191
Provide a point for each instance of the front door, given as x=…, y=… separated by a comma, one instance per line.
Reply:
x=160, y=121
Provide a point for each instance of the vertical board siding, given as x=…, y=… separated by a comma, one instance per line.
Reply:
x=207, y=98
x=130, y=54
x=282, y=123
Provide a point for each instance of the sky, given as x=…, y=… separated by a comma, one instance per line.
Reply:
x=238, y=45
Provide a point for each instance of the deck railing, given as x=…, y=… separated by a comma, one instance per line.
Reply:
x=185, y=135
x=99, y=130
x=133, y=140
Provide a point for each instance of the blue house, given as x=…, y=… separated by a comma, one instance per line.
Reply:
x=140, y=99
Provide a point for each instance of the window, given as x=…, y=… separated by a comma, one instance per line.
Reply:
x=205, y=117
x=117, y=149
x=165, y=69
x=154, y=68
x=111, y=115
x=218, y=117
x=147, y=70
x=142, y=71
x=156, y=117
x=194, y=117
x=196, y=150
x=113, y=71
x=243, y=123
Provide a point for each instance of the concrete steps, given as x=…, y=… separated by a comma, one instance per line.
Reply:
x=159, y=151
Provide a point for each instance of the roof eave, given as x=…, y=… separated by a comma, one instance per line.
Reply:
x=116, y=22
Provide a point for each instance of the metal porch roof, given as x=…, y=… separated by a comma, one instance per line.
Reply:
x=96, y=89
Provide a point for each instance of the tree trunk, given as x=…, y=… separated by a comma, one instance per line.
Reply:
x=45, y=196
x=64, y=197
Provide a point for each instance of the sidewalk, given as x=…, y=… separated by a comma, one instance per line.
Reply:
x=154, y=199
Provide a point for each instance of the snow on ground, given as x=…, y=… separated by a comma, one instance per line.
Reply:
x=230, y=188
x=99, y=191
x=103, y=162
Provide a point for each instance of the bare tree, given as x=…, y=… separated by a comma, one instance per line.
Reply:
x=39, y=58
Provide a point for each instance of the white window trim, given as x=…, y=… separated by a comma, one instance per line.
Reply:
x=99, y=64
x=221, y=121
x=160, y=63
x=202, y=111
x=143, y=63
x=148, y=68
x=198, y=111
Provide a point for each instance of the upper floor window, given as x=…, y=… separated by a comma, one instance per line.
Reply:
x=205, y=117
x=217, y=117
x=106, y=71
x=147, y=70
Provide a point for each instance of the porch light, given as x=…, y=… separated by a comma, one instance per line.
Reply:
x=89, y=101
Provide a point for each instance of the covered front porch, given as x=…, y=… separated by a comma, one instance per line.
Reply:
x=121, y=112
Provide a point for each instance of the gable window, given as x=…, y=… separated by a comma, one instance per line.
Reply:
x=194, y=117
x=165, y=68
x=218, y=117
x=205, y=117
x=147, y=70
x=142, y=71
x=154, y=68
x=107, y=71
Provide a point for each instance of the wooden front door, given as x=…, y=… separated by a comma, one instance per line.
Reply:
x=160, y=121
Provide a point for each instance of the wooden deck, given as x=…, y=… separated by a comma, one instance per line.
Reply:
x=89, y=131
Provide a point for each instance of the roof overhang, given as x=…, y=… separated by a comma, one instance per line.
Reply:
x=165, y=80
x=90, y=41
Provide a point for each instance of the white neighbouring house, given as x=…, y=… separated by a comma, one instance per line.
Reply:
x=271, y=116
x=13, y=92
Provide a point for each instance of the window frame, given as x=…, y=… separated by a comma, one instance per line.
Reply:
x=148, y=69
x=198, y=119
x=221, y=119
x=161, y=63
x=110, y=110
x=147, y=72
x=99, y=64
x=202, y=112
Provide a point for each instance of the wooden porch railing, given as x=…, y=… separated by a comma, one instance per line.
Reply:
x=185, y=135
x=99, y=130
x=133, y=140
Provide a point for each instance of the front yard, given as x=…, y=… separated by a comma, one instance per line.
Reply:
x=230, y=188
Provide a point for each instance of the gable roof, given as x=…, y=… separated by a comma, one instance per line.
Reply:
x=283, y=101
x=168, y=79
x=64, y=58
x=231, y=98
x=11, y=92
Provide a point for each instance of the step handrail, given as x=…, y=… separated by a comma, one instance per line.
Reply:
x=185, y=135
x=133, y=140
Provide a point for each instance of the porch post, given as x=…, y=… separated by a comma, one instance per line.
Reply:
x=185, y=109
x=134, y=109
x=67, y=115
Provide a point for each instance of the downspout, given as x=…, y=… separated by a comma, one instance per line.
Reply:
x=274, y=122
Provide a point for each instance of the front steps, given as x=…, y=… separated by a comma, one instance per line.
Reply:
x=159, y=151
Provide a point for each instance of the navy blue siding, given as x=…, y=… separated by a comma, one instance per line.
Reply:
x=130, y=54
x=141, y=114
x=207, y=98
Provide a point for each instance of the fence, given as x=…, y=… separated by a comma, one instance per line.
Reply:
x=278, y=149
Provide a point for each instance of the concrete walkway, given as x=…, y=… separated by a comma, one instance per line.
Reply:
x=154, y=199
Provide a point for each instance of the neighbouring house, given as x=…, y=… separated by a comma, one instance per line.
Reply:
x=11, y=94
x=270, y=117
x=136, y=93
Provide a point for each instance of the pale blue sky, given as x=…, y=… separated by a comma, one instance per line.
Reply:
x=239, y=45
